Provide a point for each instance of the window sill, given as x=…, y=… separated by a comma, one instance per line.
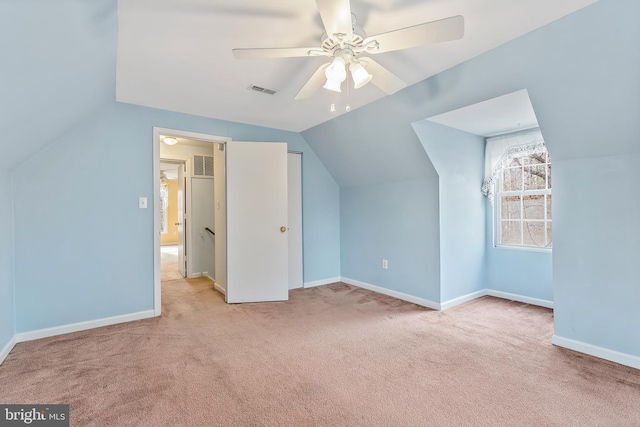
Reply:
x=523, y=248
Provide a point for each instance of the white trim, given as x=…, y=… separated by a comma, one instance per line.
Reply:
x=7, y=349
x=157, y=131
x=321, y=282
x=520, y=298
x=524, y=248
x=157, y=306
x=395, y=294
x=194, y=276
x=594, y=350
x=461, y=300
x=219, y=288
x=434, y=305
x=83, y=326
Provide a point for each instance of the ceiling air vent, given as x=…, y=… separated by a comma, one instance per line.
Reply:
x=262, y=89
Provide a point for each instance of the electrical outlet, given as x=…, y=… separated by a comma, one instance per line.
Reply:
x=385, y=264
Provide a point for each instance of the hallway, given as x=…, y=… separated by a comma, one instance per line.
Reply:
x=169, y=263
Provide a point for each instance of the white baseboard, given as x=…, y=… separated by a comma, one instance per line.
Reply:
x=82, y=326
x=406, y=297
x=7, y=349
x=219, y=288
x=520, y=298
x=447, y=304
x=461, y=300
x=194, y=275
x=594, y=350
x=321, y=282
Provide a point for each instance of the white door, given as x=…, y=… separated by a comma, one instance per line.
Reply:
x=257, y=238
x=182, y=220
x=294, y=165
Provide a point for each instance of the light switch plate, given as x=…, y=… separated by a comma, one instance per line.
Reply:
x=142, y=202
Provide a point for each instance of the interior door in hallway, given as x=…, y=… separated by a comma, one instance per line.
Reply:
x=257, y=209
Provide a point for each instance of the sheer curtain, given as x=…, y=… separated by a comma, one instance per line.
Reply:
x=500, y=149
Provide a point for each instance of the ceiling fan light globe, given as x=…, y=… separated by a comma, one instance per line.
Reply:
x=170, y=140
x=360, y=76
x=332, y=85
x=337, y=70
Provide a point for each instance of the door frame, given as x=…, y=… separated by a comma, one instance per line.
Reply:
x=157, y=131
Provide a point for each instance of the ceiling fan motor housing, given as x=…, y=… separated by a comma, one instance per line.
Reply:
x=330, y=44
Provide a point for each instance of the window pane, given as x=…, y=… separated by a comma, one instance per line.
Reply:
x=510, y=233
x=514, y=162
x=535, y=159
x=549, y=235
x=549, y=175
x=548, y=206
x=512, y=179
x=533, y=207
x=510, y=207
x=535, y=177
x=534, y=233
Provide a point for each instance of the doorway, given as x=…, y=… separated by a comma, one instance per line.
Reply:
x=171, y=205
x=236, y=172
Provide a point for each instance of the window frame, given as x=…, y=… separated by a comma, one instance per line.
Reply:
x=497, y=209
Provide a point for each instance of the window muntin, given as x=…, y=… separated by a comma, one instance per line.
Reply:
x=524, y=202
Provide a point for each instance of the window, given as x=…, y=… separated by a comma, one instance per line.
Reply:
x=523, y=208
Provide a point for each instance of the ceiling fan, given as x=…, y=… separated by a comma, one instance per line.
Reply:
x=345, y=42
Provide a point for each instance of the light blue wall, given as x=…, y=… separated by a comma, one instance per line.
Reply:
x=83, y=248
x=581, y=73
x=397, y=221
x=521, y=272
x=7, y=319
x=59, y=62
x=596, y=268
x=459, y=160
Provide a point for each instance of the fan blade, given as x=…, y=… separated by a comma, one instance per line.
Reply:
x=384, y=79
x=419, y=35
x=336, y=17
x=268, y=53
x=313, y=84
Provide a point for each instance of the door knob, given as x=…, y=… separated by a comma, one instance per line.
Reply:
x=283, y=228
x=178, y=223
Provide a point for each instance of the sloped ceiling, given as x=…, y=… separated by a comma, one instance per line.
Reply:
x=503, y=114
x=58, y=67
x=177, y=54
x=580, y=99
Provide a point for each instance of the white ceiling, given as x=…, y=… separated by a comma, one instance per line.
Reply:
x=507, y=113
x=176, y=54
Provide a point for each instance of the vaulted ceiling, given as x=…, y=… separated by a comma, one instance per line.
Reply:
x=177, y=54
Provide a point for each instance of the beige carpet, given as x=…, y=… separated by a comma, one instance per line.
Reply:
x=331, y=356
x=169, y=263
